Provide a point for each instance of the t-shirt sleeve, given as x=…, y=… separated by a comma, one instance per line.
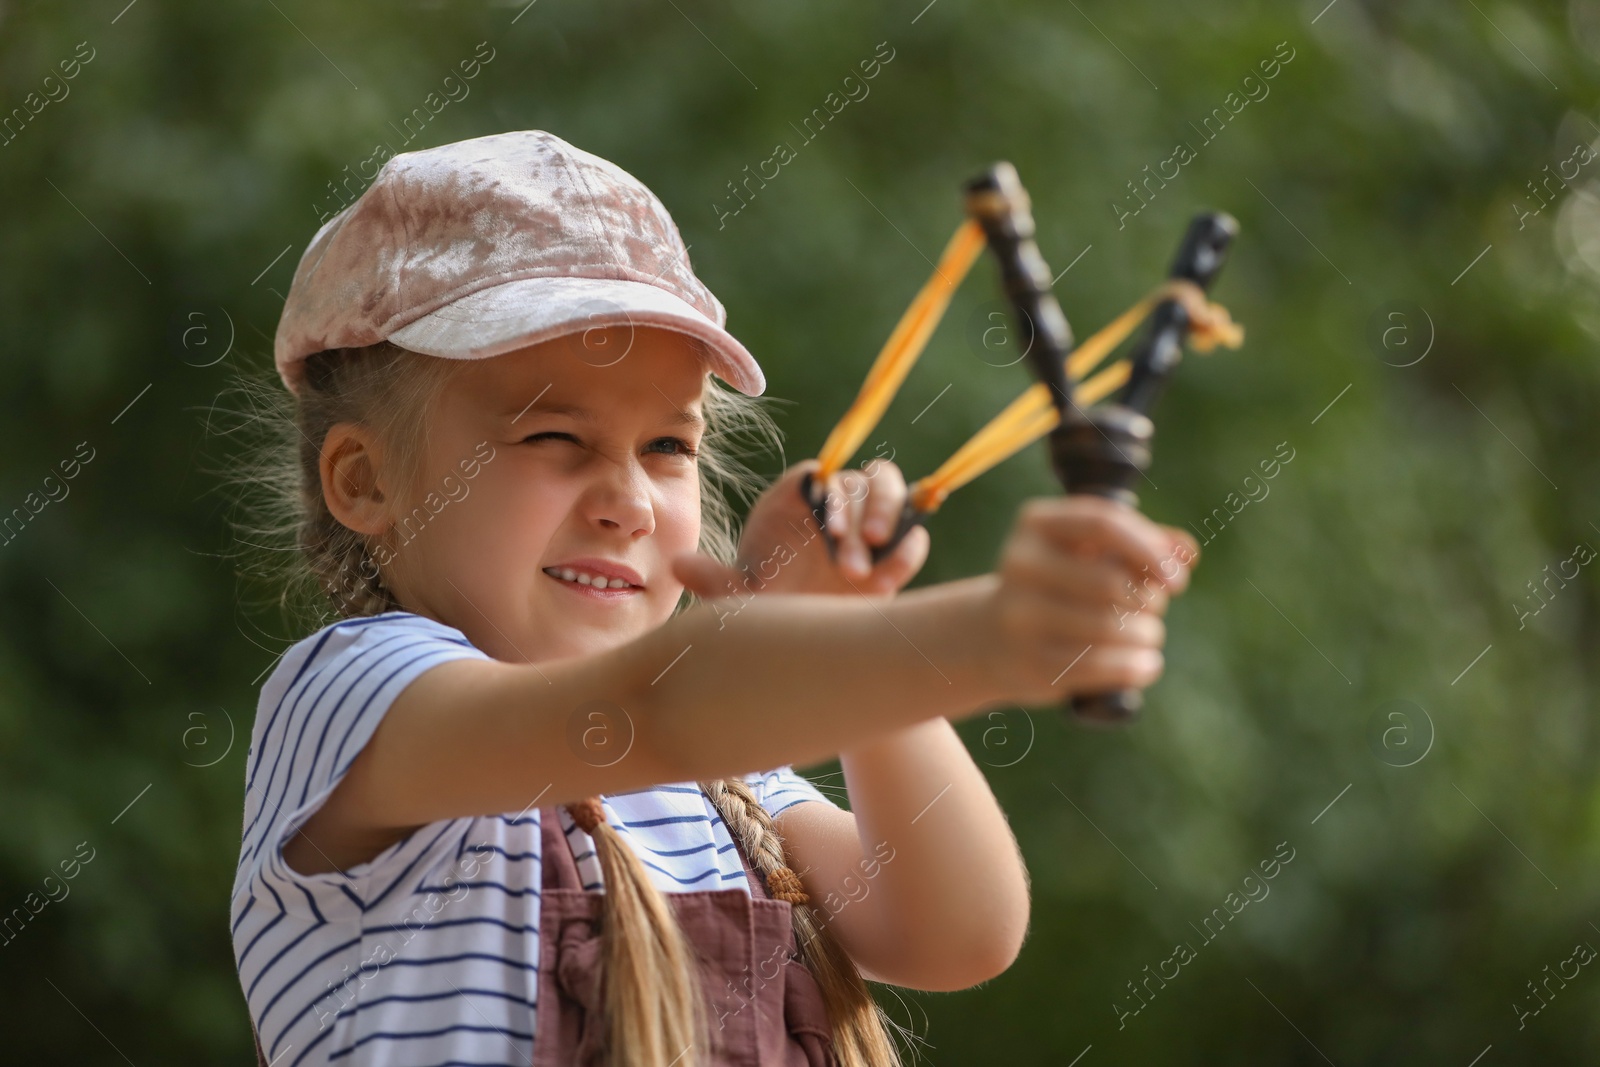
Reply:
x=784, y=788
x=317, y=710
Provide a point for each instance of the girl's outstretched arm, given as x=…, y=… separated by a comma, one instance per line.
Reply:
x=787, y=679
x=709, y=694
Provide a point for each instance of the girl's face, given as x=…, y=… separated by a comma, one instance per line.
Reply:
x=574, y=456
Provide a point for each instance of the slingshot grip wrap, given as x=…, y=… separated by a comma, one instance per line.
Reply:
x=1104, y=453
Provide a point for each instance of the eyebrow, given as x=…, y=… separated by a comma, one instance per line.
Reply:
x=681, y=417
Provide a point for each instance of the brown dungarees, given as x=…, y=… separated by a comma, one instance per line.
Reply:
x=766, y=1008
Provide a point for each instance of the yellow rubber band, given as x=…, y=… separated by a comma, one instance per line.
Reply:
x=901, y=351
x=1034, y=414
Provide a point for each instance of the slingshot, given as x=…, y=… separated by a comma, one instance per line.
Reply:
x=1102, y=450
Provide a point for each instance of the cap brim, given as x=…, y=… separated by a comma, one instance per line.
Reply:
x=516, y=314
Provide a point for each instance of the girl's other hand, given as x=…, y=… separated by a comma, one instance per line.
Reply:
x=782, y=551
x=1083, y=583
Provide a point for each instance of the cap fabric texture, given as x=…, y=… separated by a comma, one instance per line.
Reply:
x=480, y=247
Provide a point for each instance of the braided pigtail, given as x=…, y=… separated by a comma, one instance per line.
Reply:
x=860, y=1027
x=383, y=386
x=318, y=565
x=654, y=1008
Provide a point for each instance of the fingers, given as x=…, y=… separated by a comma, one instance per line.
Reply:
x=703, y=576
x=1084, y=582
x=1103, y=668
x=864, y=507
x=1054, y=650
x=847, y=491
x=886, y=499
x=1183, y=543
x=1035, y=563
x=1054, y=624
x=900, y=566
x=1087, y=524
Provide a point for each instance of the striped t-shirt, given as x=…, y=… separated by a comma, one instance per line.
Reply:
x=426, y=954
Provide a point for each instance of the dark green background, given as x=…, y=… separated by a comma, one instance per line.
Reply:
x=196, y=147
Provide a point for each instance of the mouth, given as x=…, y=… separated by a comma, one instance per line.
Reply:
x=590, y=582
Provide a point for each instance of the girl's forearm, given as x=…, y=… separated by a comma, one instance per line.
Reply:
x=798, y=679
x=956, y=890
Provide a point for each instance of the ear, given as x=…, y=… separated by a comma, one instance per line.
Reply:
x=350, y=465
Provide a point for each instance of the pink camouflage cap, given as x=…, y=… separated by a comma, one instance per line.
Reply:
x=480, y=247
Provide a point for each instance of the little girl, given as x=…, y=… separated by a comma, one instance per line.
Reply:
x=531, y=799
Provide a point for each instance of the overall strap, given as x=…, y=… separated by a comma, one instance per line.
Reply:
x=559, y=869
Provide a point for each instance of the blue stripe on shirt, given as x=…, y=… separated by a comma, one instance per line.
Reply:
x=457, y=1028
x=322, y=640
x=333, y=713
x=299, y=743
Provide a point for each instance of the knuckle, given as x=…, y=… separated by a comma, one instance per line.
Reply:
x=1020, y=560
x=1048, y=509
x=879, y=467
x=1116, y=585
x=1110, y=525
x=1017, y=554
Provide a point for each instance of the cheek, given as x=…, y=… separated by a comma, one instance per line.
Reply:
x=511, y=509
x=678, y=514
x=505, y=517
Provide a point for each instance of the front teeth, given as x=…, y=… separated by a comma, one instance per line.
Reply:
x=571, y=575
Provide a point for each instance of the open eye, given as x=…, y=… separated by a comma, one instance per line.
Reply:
x=684, y=448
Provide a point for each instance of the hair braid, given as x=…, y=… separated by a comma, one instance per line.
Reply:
x=860, y=1027
x=655, y=1012
x=390, y=389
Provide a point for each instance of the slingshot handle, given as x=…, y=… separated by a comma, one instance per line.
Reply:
x=1104, y=454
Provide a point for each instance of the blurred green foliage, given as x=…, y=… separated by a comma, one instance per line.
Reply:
x=182, y=171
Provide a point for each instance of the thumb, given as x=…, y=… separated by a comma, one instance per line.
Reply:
x=705, y=577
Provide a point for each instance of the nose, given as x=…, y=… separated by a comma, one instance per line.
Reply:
x=619, y=498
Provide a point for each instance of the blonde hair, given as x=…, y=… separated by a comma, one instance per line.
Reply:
x=655, y=1008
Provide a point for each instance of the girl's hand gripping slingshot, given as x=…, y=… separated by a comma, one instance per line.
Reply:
x=1102, y=450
